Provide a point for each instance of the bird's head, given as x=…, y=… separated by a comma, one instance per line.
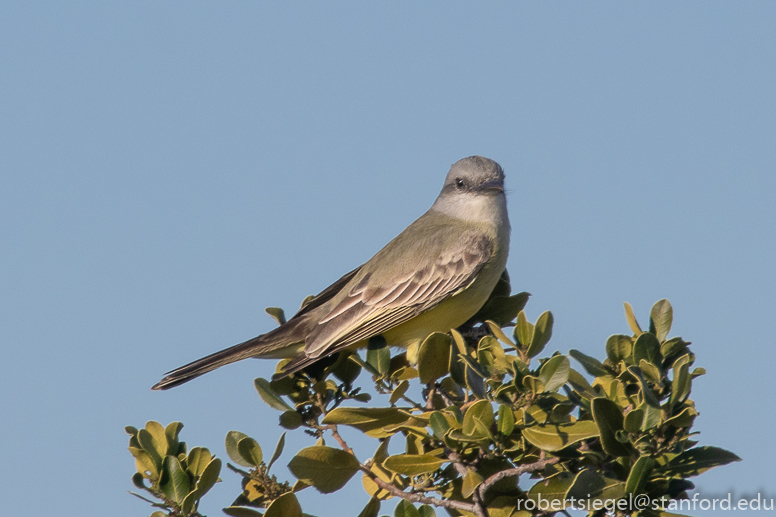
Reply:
x=474, y=175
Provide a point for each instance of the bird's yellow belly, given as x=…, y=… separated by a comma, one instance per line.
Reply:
x=449, y=314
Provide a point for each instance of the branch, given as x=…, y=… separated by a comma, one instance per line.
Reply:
x=413, y=498
x=417, y=498
x=335, y=434
x=478, y=507
x=515, y=472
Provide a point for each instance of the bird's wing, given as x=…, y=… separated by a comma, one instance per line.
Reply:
x=327, y=294
x=372, y=307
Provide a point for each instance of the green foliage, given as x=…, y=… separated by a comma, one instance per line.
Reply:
x=484, y=422
x=176, y=481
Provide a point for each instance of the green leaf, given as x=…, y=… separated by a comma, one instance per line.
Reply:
x=238, y=511
x=177, y=484
x=144, y=462
x=456, y=367
x=496, y=331
x=482, y=429
x=533, y=384
x=649, y=395
x=590, y=485
x=501, y=309
x=325, y=468
x=277, y=314
x=541, y=334
x=159, y=438
x=434, y=357
x=460, y=342
x=150, y=447
x=587, y=483
x=555, y=372
x=698, y=460
x=556, y=437
x=287, y=505
x=609, y=419
x=673, y=346
x=368, y=420
x=685, y=418
x=232, y=439
x=646, y=347
x=197, y=460
x=552, y=488
x=189, y=502
x=524, y=330
x=639, y=474
x=344, y=369
x=489, y=346
x=619, y=348
x=278, y=450
x=580, y=384
x=209, y=476
x=399, y=392
x=405, y=509
x=250, y=451
x=591, y=365
x=652, y=417
x=378, y=354
x=290, y=419
x=438, y=424
x=633, y=420
x=371, y=509
x=481, y=410
x=171, y=432
x=681, y=385
x=660, y=319
x=269, y=397
x=506, y=420
x=632, y=323
x=138, y=480
x=471, y=480
x=425, y=510
x=474, y=377
x=413, y=464
x=504, y=506
x=651, y=372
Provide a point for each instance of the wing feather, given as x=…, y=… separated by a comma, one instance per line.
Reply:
x=371, y=308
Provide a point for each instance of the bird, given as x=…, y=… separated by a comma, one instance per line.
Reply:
x=432, y=277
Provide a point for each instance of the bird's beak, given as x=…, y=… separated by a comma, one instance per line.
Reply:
x=493, y=185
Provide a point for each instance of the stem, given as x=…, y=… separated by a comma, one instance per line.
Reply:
x=335, y=434
x=515, y=472
x=417, y=498
x=478, y=507
x=413, y=498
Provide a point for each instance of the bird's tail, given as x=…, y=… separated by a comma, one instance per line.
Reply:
x=276, y=344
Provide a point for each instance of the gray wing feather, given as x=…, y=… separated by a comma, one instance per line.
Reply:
x=370, y=309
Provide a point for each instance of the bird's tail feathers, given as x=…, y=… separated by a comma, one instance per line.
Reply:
x=271, y=344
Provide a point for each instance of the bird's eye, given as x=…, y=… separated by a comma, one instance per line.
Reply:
x=459, y=183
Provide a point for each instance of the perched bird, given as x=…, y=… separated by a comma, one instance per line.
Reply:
x=432, y=277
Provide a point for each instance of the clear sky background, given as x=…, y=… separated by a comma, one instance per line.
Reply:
x=169, y=169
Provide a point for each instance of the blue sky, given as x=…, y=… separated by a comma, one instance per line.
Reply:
x=169, y=169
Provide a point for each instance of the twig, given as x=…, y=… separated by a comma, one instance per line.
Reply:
x=515, y=472
x=335, y=434
x=429, y=395
x=478, y=507
x=413, y=498
x=445, y=395
x=417, y=498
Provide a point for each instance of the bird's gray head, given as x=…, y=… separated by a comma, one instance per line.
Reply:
x=474, y=191
x=474, y=175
